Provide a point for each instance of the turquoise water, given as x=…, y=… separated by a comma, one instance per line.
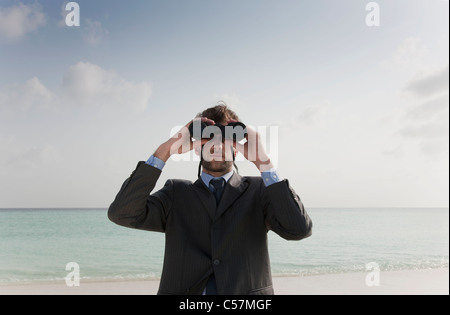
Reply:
x=36, y=244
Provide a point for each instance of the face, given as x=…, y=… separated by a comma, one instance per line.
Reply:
x=218, y=156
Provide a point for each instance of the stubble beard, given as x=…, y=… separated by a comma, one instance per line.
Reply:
x=218, y=166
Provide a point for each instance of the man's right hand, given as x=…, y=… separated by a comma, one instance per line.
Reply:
x=181, y=142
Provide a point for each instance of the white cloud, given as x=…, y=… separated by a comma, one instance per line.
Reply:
x=430, y=84
x=428, y=122
x=431, y=109
x=86, y=84
x=314, y=114
x=436, y=129
x=13, y=154
x=19, y=20
x=31, y=94
x=420, y=109
x=95, y=33
x=434, y=148
x=411, y=54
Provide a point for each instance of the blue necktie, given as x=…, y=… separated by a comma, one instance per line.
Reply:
x=217, y=187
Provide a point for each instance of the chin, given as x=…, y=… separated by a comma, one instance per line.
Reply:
x=215, y=166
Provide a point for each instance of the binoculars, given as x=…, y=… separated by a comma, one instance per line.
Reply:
x=235, y=131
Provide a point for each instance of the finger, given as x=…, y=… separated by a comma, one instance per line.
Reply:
x=250, y=133
x=202, y=119
x=181, y=133
x=189, y=123
x=208, y=121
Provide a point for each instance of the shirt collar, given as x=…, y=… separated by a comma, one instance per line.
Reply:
x=207, y=178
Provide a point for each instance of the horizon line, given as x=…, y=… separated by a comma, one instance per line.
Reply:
x=337, y=207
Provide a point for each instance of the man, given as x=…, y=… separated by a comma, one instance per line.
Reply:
x=216, y=228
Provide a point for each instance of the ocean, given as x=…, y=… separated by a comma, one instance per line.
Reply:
x=37, y=244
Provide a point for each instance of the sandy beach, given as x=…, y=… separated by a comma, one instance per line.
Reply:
x=409, y=282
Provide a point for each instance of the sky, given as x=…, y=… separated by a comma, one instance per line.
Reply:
x=355, y=115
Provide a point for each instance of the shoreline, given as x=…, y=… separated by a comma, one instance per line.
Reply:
x=403, y=282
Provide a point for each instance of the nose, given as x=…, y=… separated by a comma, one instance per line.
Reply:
x=217, y=147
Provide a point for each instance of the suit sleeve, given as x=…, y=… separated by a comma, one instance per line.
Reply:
x=135, y=208
x=284, y=212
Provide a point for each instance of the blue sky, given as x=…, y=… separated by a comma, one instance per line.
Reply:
x=362, y=111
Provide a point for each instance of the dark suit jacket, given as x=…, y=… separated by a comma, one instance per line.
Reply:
x=230, y=241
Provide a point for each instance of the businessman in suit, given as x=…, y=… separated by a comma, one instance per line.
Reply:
x=216, y=228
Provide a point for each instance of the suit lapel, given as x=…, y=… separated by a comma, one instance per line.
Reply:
x=233, y=190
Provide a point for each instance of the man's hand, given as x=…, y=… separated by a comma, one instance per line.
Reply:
x=254, y=151
x=181, y=142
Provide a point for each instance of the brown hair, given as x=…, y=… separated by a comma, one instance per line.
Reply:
x=219, y=113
